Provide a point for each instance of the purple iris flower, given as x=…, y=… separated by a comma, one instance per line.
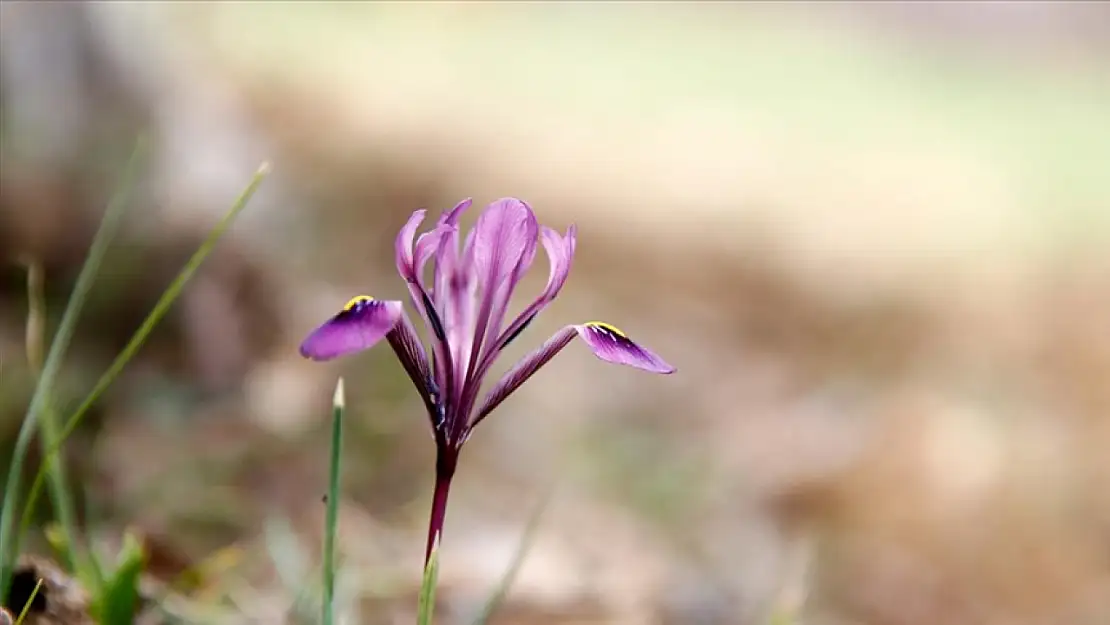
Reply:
x=464, y=309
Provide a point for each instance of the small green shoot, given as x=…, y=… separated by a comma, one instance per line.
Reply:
x=427, y=602
x=332, y=501
x=118, y=600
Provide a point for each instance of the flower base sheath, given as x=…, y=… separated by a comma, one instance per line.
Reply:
x=464, y=309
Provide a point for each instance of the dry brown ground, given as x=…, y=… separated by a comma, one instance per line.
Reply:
x=897, y=417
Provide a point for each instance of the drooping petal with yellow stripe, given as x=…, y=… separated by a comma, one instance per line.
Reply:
x=612, y=345
x=605, y=341
x=363, y=322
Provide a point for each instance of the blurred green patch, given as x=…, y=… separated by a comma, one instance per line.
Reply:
x=645, y=470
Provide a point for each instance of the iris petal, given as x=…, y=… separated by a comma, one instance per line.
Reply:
x=522, y=370
x=363, y=322
x=612, y=345
x=560, y=254
x=455, y=289
x=505, y=238
x=406, y=344
x=504, y=246
x=451, y=217
x=410, y=351
x=412, y=254
x=607, y=343
x=403, y=246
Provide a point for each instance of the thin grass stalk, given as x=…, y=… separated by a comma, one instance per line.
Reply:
x=109, y=224
x=497, y=598
x=157, y=313
x=54, y=466
x=30, y=600
x=331, y=521
x=426, y=603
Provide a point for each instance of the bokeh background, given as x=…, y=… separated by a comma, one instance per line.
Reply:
x=874, y=238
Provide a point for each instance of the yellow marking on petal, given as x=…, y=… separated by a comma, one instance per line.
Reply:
x=355, y=301
x=601, y=325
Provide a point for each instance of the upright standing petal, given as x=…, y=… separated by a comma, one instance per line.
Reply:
x=446, y=253
x=452, y=216
x=403, y=246
x=503, y=249
x=455, y=289
x=426, y=246
x=611, y=345
x=363, y=322
x=504, y=237
x=411, y=259
x=560, y=254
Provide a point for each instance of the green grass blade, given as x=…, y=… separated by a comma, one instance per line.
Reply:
x=109, y=223
x=160, y=309
x=332, y=514
x=72, y=558
x=30, y=601
x=36, y=316
x=427, y=602
x=291, y=560
x=498, y=596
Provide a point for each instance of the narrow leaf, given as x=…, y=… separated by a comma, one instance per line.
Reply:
x=109, y=223
x=54, y=465
x=30, y=601
x=427, y=601
x=332, y=514
x=160, y=309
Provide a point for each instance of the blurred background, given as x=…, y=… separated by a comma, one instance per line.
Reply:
x=874, y=238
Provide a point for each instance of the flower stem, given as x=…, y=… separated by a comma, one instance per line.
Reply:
x=445, y=470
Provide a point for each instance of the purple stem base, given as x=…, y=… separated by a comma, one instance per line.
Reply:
x=445, y=470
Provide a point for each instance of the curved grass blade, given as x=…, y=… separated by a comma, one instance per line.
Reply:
x=160, y=309
x=498, y=597
x=332, y=515
x=109, y=224
x=54, y=466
